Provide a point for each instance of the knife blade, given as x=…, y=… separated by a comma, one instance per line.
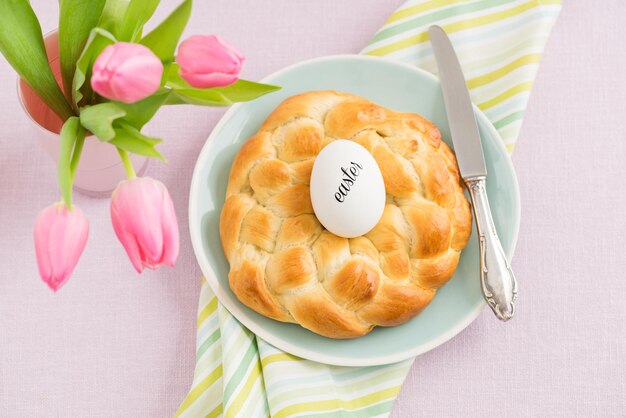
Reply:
x=458, y=105
x=498, y=282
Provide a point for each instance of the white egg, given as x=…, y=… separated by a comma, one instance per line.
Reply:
x=347, y=189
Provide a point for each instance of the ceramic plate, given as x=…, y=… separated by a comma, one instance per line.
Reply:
x=395, y=86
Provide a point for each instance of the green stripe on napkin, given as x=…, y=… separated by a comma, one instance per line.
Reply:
x=499, y=43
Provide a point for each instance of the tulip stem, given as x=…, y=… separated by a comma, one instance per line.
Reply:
x=128, y=164
x=78, y=149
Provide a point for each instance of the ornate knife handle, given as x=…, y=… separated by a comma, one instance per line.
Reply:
x=496, y=276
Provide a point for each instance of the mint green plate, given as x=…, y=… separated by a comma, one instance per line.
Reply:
x=393, y=85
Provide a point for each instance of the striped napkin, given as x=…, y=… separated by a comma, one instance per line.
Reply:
x=499, y=43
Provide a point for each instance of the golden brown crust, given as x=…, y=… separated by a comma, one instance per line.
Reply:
x=290, y=269
x=248, y=284
x=286, y=266
x=316, y=311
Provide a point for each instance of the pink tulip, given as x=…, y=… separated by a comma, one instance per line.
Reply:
x=208, y=61
x=126, y=72
x=60, y=238
x=144, y=220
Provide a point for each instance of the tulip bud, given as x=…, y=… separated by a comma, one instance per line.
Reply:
x=126, y=72
x=60, y=238
x=145, y=222
x=208, y=61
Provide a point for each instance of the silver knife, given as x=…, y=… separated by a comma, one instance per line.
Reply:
x=496, y=276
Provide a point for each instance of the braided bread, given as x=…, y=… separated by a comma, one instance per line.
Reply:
x=286, y=266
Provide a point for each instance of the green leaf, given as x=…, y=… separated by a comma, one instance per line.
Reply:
x=131, y=140
x=103, y=119
x=70, y=134
x=97, y=41
x=76, y=20
x=98, y=119
x=199, y=97
x=164, y=38
x=244, y=90
x=21, y=42
x=136, y=16
x=240, y=91
x=139, y=113
x=113, y=15
x=174, y=80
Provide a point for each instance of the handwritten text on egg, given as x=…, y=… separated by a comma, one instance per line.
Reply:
x=350, y=175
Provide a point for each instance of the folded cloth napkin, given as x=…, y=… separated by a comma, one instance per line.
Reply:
x=499, y=43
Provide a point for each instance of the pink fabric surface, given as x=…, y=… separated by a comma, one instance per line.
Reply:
x=113, y=343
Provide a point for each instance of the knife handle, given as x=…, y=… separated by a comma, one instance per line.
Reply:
x=496, y=276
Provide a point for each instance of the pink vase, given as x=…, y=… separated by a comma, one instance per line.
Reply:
x=100, y=168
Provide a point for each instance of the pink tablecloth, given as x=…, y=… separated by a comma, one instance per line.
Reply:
x=115, y=344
